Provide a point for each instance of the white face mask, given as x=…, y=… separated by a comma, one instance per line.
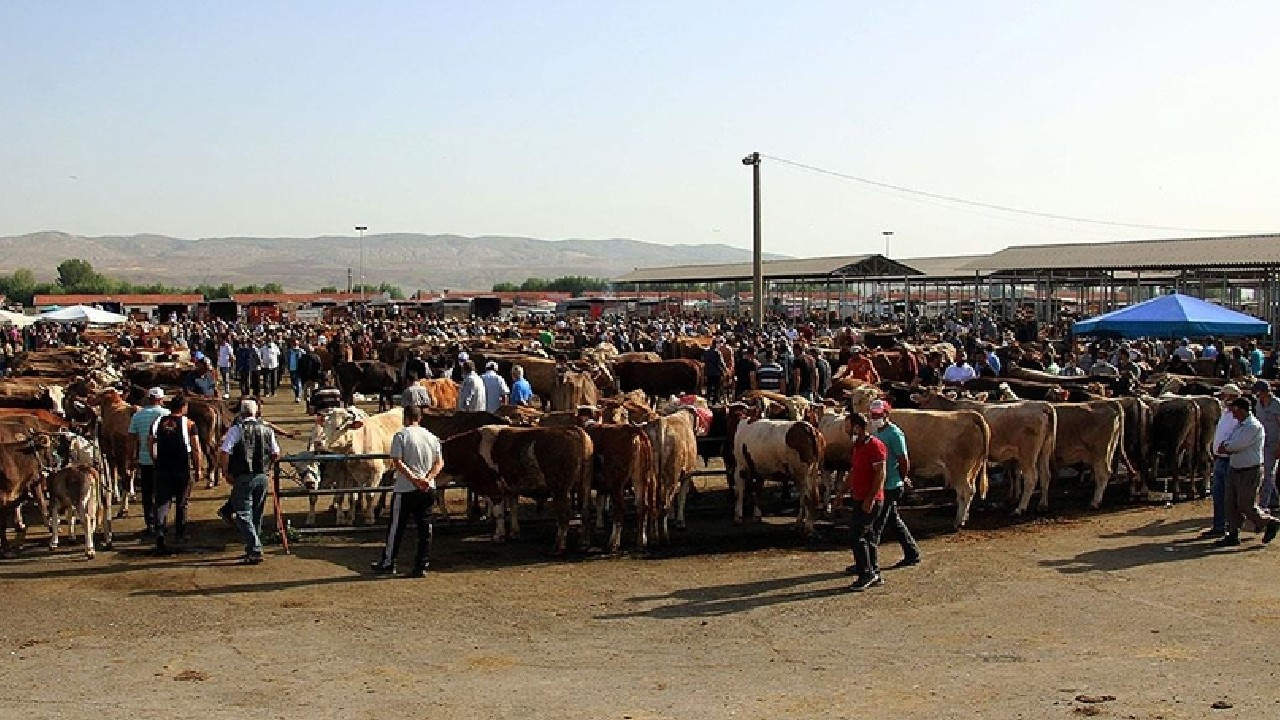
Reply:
x=878, y=423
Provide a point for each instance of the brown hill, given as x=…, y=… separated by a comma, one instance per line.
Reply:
x=411, y=261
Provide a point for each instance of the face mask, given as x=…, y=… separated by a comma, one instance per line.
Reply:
x=879, y=423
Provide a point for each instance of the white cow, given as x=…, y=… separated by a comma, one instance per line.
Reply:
x=784, y=449
x=352, y=431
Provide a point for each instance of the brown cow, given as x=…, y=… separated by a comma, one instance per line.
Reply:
x=675, y=453
x=623, y=459
x=505, y=463
x=660, y=379
x=1089, y=434
x=22, y=465
x=443, y=393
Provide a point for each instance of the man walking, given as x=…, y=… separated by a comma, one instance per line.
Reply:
x=176, y=460
x=897, y=466
x=415, y=453
x=1221, y=462
x=247, y=453
x=225, y=354
x=866, y=485
x=1245, y=448
x=140, y=435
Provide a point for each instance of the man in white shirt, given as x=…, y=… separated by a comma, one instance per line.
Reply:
x=1221, y=462
x=959, y=372
x=225, y=357
x=1244, y=446
x=1184, y=352
x=269, y=353
x=496, y=392
x=418, y=460
x=471, y=390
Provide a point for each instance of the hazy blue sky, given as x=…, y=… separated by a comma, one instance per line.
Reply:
x=629, y=119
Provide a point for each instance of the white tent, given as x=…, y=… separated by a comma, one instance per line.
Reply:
x=84, y=313
x=18, y=319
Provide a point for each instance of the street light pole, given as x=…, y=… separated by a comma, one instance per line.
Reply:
x=360, y=229
x=757, y=268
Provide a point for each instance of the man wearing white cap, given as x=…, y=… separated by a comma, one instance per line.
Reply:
x=1221, y=462
x=496, y=391
x=897, y=466
x=140, y=434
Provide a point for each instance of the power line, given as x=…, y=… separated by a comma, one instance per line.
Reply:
x=977, y=203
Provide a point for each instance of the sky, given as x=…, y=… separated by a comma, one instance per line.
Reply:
x=630, y=119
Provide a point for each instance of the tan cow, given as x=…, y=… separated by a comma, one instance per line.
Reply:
x=113, y=436
x=675, y=453
x=1023, y=436
x=573, y=389
x=952, y=445
x=1089, y=434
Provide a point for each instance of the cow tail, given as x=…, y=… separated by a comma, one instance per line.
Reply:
x=1045, y=461
x=982, y=483
x=647, y=493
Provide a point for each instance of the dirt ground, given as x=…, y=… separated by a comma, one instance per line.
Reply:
x=1001, y=621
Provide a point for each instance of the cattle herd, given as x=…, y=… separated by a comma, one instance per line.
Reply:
x=616, y=434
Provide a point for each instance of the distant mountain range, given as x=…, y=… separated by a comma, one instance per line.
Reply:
x=411, y=261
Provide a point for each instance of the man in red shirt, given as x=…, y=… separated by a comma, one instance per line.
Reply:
x=866, y=485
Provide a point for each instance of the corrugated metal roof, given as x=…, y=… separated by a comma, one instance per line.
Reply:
x=851, y=265
x=946, y=267
x=81, y=299
x=1239, y=250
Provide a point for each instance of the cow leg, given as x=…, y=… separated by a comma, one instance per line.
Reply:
x=964, y=499
x=311, y=511
x=86, y=510
x=54, y=518
x=103, y=510
x=1029, y=479
x=513, y=512
x=615, y=514
x=740, y=494
x=499, y=510
x=564, y=512
x=685, y=484
x=1101, y=476
x=367, y=500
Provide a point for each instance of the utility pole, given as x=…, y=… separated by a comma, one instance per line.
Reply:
x=887, y=234
x=360, y=229
x=757, y=269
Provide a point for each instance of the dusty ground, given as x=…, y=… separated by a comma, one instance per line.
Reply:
x=1004, y=622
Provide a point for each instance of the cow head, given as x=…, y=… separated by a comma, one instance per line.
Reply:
x=55, y=395
x=335, y=428
x=308, y=473
x=860, y=398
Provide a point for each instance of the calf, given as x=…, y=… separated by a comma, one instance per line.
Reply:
x=623, y=459
x=675, y=455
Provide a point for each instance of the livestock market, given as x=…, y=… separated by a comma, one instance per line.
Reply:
x=639, y=360
x=613, y=434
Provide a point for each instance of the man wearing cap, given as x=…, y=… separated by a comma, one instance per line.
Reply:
x=1221, y=462
x=866, y=485
x=1267, y=408
x=897, y=467
x=496, y=392
x=247, y=453
x=1244, y=445
x=140, y=435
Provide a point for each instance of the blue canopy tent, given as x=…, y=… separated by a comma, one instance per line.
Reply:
x=1172, y=316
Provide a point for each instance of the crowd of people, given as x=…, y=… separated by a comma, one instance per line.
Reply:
x=793, y=358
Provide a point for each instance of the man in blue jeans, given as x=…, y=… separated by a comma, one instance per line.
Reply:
x=1221, y=462
x=247, y=453
x=897, y=466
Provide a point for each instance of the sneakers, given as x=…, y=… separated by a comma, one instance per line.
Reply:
x=1270, y=533
x=420, y=572
x=865, y=582
x=379, y=569
x=251, y=559
x=853, y=570
x=1211, y=533
x=1229, y=540
x=224, y=512
x=907, y=561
